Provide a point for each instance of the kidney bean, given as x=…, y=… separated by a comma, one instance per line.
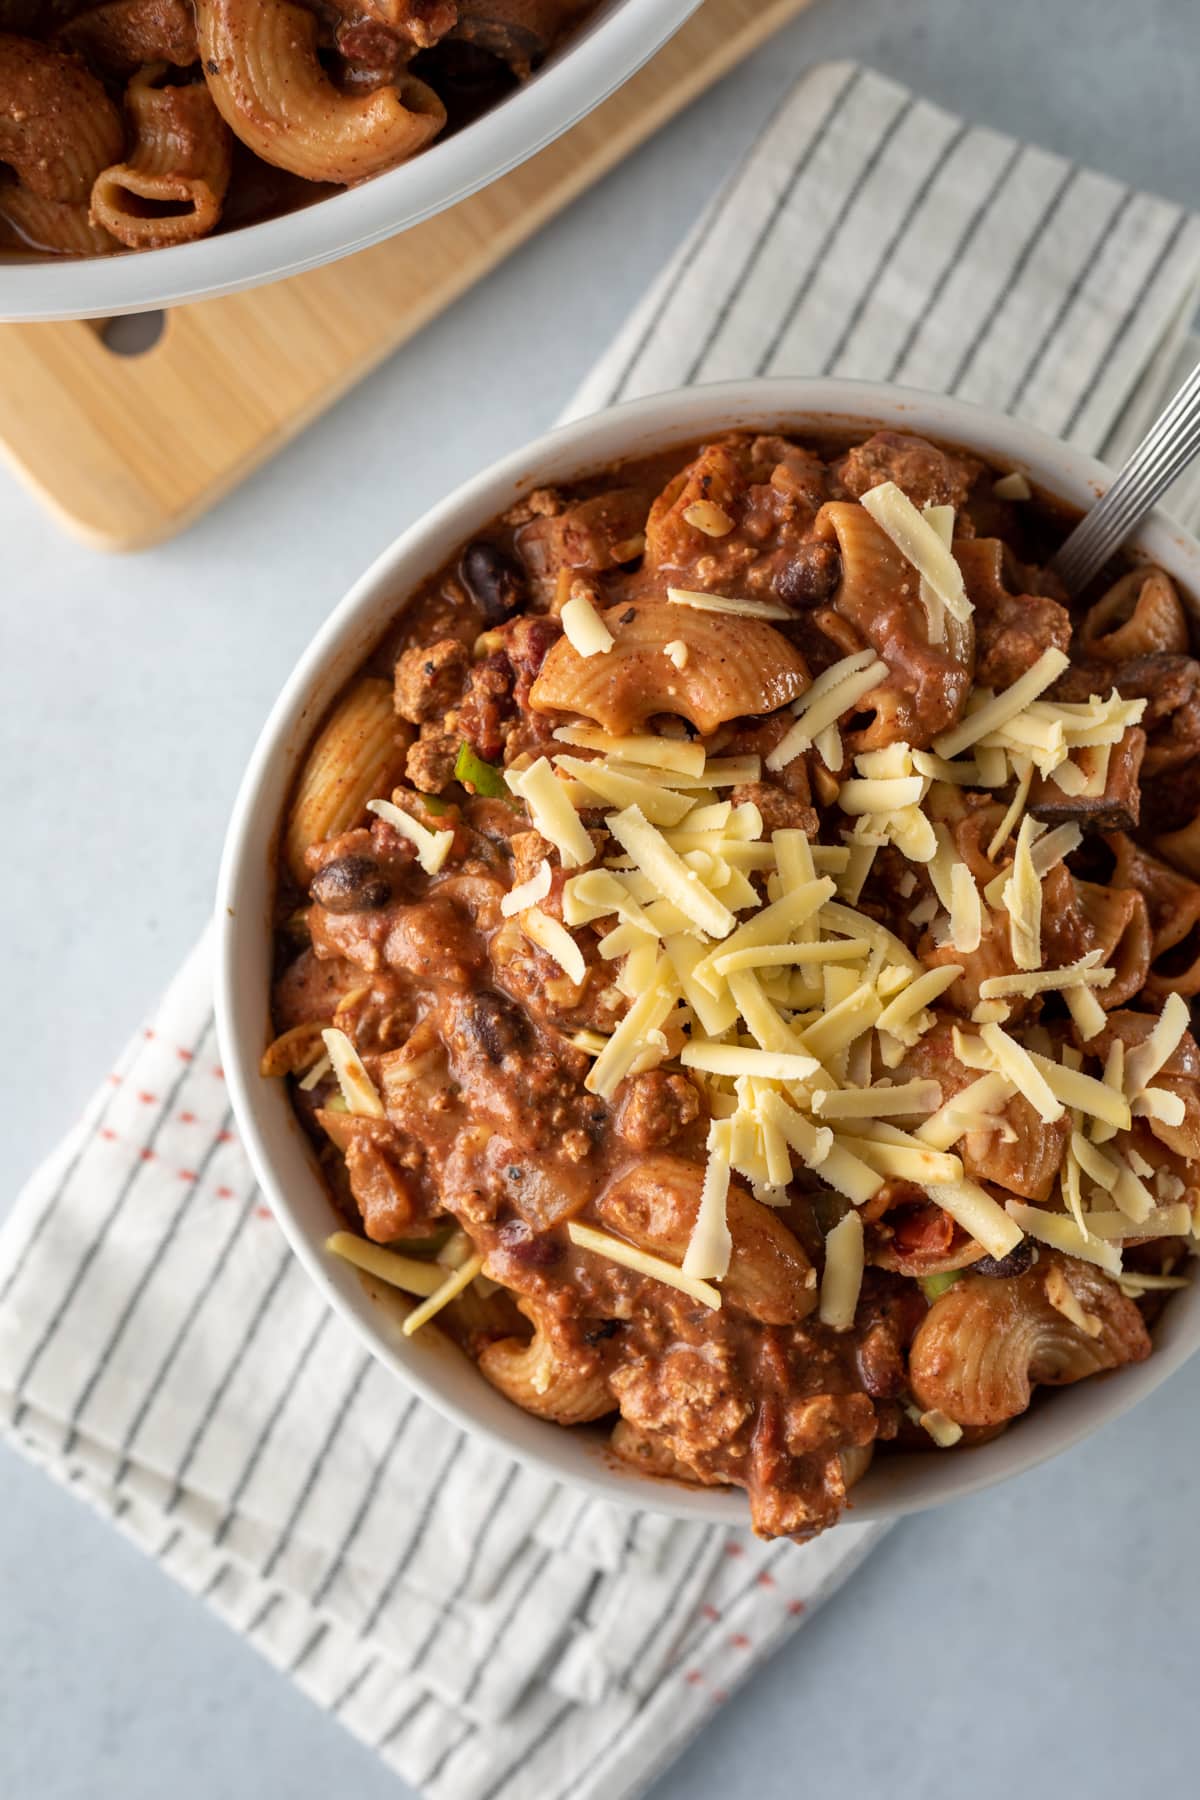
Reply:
x=532, y=1250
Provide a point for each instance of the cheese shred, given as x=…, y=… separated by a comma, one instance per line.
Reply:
x=643, y=1262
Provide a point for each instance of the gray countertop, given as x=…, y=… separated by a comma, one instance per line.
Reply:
x=1038, y=1639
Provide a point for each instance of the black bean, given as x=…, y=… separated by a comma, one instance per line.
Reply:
x=493, y=580
x=351, y=884
x=810, y=575
x=1015, y=1263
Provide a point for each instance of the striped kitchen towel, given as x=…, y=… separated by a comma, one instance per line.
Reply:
x=493, y=1635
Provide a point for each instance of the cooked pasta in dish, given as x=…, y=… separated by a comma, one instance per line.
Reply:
x=735, y=944
x=135, y=124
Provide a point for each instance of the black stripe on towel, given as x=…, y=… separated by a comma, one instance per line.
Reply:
x=467, y=1573
x=1041, y=226
x=194, y=1309
x=1124, y=323
x=266, y=1429
x=870, y=286
x=849, y=200
x=1070, y=295
x=343, y=1406
x=96, y=1243
x=777, y=1556
x=796, y=175
x=366, y=1501
x=415, y=1535
x=691, y=254
x=965, y=239
x=231, y=1368
x=139, y=1287
x=532, y=1577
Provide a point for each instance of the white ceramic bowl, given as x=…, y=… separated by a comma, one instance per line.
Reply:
x=276, y=1143
x=622, y=36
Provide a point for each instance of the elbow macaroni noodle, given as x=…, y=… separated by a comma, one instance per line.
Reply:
x=322, y=94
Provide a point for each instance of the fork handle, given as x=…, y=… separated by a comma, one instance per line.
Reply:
x=1166, y=450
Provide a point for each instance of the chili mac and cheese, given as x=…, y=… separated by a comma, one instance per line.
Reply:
x=736, y=940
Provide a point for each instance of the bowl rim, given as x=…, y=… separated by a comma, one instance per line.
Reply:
x=895, y=1485
x=617, y=42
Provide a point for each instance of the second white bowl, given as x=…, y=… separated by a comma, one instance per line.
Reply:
x=623, y=35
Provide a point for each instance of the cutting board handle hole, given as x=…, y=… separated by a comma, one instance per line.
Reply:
x=132, y=334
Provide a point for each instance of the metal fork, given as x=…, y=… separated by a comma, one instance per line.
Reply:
x=1163, y=454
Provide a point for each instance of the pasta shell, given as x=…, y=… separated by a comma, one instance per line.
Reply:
x=1173, y=906
x=1140, y=615
x=735, y=667
x=987, y=1342
x=879, y=596
x=672, y=542
x=172, y=185
x=263, y=69
x=1182, y=847
x=294, y=1051
x=358, y=756
x=1117, y=919
x=58, y=127
x=856, y=1460
x=545, y=1378
x=655, y=1206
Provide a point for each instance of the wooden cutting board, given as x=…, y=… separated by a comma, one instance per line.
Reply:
x=126, y=450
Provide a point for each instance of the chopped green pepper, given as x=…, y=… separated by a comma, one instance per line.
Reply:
x=484, y=777
x=423, y=1246
x=432, y=804
x=933, y=1285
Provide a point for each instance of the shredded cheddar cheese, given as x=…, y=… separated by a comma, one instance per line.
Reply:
x=835, y=692
x=723, y=603
x=449, y=1289
x=557, y=942
x=917, y=540
x=1062, y=1298
x=642, y=1262
x=358, y=1090
x=842, y=1280
x=552, y=812
x=1014, y=486
x=585, y=630
x=432, y=847
x=1062, y=1233
x=528, y=893
x=988, y=716
x=710, y=1246
x=406, y=1272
